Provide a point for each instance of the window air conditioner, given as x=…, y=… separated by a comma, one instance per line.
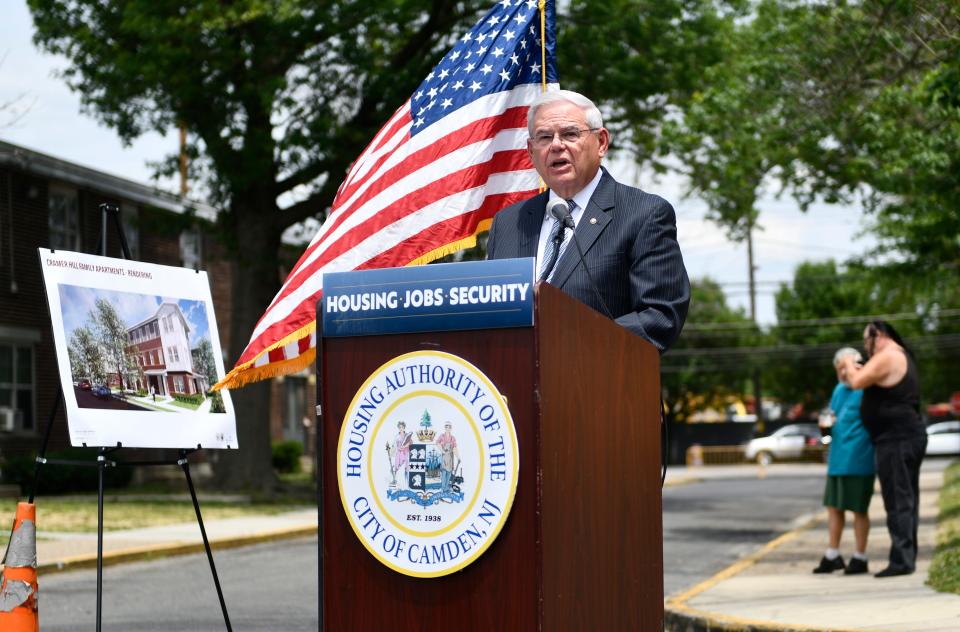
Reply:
x=7, y=419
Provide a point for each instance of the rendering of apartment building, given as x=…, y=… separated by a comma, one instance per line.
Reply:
x=161, y=346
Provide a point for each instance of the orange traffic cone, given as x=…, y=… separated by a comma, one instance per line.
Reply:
x=18, y=587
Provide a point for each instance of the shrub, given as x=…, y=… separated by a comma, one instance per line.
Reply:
x=63, y=479
x=286, y=456
x=196, y=399
x=216, y=403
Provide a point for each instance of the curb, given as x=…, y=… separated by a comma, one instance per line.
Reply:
x=686, y=480
x=679, y=617
x=167, y=550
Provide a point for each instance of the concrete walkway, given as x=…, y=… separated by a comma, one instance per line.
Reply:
x=774, y=589
x=62, y=551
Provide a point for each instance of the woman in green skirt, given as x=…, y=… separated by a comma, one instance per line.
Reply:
x=850, y=473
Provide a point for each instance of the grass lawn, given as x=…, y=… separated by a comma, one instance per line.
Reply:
x=186, y=405
x=945, y=568
x=65, y=514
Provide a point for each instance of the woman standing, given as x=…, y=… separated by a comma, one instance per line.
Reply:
x=850, y=474
x=891, y=414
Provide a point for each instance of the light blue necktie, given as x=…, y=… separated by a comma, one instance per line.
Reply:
x=552, y=251
x=563, y=235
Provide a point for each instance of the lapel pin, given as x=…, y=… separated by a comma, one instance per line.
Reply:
x=593, y=220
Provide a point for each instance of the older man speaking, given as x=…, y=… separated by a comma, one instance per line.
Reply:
x=628, y=236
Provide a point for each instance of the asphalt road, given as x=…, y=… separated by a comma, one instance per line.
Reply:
x=266, y=587
x=708, y=525
x=86, y=399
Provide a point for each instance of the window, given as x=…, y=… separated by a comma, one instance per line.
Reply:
x=63, y=219
x=190, y=249
x=130, y=220
x=16, y=386
x=295, y=408
x=178, y=383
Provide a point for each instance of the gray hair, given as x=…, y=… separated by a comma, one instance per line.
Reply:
x=846, y=352
x=590, y=110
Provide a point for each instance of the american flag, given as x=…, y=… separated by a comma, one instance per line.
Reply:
x=447, y=160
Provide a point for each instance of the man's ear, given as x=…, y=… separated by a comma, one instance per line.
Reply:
x=603, y=136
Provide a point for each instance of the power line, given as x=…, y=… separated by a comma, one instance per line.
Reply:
x=939, y=341
x=837, y=320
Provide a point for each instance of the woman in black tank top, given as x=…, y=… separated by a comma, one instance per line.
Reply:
x=891, y=414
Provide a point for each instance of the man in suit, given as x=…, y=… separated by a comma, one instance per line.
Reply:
x=629, y=237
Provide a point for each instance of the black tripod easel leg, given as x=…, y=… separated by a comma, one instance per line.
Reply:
x=42, y=455
x=185, y=466
x=101, y=465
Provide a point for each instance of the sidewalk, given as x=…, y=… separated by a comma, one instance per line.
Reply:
x=67, y=551
x=774, y=589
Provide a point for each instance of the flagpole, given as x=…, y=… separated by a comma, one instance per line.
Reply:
x=543, y=63
x=543, y=44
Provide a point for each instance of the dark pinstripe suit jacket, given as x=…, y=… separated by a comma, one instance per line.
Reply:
x=631, y=249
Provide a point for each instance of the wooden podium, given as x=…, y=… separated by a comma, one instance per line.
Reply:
x=582, y=547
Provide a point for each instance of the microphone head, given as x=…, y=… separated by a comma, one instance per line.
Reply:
x=560, y=210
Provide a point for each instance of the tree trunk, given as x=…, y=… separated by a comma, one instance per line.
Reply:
x=255, y=281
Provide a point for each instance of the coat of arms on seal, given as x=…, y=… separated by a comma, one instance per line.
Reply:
x=425, y=468
x=427, y=463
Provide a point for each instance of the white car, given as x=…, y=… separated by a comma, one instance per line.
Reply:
x=795, y=441
x=943, y=438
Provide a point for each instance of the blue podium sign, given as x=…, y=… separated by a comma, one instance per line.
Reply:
x=439, y=297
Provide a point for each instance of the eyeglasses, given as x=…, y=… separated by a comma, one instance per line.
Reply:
x=568, y=136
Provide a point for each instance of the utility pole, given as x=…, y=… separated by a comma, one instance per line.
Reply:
x=183, y=160
x=757, y=393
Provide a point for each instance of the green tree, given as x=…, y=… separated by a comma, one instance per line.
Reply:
x=707, y=365
x=85, y=350
x=203, y=362
x=827, y=306
x=642, y=58
x=280, y=97
x=111, y=335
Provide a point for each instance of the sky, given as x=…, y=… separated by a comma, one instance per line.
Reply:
x=79, y=303
x=53, y=124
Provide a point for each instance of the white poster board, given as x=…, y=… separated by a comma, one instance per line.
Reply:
x=137, y=351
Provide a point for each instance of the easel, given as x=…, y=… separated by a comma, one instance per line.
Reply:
x=103, y=462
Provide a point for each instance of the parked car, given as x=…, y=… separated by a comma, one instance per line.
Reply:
x=84, y=384
x=792, y=442
x=102, y=391
x=943, y=438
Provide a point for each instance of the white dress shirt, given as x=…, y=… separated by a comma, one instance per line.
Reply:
x=581, y=199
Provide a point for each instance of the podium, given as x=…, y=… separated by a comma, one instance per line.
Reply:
x=582, y=546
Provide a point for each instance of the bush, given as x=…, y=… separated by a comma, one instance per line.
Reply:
x=141, y=393
x=63, y=479
x=216, y=403
x=196, y=399
x=286, y=456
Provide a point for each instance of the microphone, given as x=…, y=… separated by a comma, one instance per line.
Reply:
x=561, y=212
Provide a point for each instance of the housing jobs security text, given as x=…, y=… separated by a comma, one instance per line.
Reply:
x=427, y=297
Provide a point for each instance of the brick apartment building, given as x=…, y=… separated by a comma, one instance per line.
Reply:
x=48, y=202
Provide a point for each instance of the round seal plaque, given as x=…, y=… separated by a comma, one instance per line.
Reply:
x=427, y=463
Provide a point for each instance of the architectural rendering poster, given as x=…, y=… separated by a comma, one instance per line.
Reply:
x=137, y=350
